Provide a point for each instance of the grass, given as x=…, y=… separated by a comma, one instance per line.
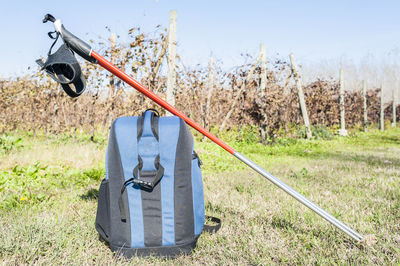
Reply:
x=48, y=193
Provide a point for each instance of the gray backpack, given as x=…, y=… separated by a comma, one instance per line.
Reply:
x=151, y=201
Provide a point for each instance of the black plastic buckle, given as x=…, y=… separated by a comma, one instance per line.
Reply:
x=145, y=174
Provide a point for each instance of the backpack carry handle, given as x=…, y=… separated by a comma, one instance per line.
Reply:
x=77, y=45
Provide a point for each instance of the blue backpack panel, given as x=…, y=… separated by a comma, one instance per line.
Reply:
x=151, y=201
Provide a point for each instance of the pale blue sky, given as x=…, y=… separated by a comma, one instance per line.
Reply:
x=313, y=30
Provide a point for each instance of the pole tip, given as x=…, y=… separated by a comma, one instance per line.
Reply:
x=368, y=240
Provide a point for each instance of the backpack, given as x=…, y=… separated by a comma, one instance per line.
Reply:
x=151, y=201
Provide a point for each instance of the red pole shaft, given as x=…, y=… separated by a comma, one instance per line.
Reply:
x=142, y=89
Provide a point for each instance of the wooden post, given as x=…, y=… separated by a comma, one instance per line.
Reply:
x=365, y=120
x=209, y=93
x=382, y=114
x=263, y=83
x=171, y=79
x=111, y=93
x=394, y=107
x=157, y=64
x=263, y=86
x=342, y=130
x=113, y=41
x=301, y=97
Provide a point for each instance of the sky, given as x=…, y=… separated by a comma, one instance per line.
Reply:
x=315, y=31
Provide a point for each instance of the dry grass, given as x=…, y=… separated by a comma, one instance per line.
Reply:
x=80, y=155
x=356, y=179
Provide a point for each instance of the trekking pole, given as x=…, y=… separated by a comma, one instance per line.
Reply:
x=87, y=53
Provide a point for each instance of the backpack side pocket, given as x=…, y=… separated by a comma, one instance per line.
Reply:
x=103, y=211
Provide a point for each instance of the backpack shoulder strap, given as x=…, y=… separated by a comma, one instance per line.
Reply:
x=149, y=171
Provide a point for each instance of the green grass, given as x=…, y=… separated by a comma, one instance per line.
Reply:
x=48, y=193
x=9, y=142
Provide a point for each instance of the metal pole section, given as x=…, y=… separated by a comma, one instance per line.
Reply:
x=356, y=236
x=132, y=82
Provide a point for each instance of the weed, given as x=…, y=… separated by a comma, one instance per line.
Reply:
x=36, y=183
x=318, y=132
x=9, y=143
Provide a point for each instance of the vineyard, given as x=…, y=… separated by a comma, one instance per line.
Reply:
x=221, y=99
x=52, y=150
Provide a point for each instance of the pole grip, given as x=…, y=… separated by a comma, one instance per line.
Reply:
x=77, y=45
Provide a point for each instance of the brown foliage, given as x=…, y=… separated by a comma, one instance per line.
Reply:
x=35, y=102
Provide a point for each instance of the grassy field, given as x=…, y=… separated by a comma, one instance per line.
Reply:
x=48, y=193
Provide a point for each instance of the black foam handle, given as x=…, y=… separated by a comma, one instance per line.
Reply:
x=77, y=45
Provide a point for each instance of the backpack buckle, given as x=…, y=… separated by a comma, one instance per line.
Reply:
x=147, y=179
x=146, y=175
